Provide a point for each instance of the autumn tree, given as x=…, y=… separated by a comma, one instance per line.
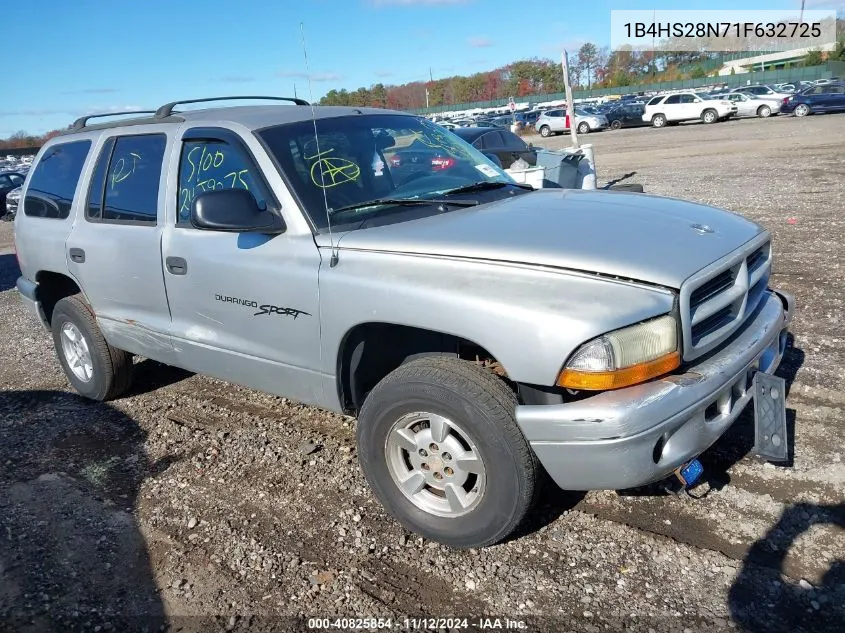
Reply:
x=588, y=59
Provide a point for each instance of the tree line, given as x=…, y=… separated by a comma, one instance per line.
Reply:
x=589, y=68
x=22, y=140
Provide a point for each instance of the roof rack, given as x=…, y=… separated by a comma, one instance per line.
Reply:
x=167, y=109
x=81, y=121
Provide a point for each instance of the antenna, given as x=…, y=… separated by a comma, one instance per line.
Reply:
x=334, y=256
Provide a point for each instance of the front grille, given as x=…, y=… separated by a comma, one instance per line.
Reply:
x=717, y=301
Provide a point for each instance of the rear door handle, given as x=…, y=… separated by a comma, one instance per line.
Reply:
x=77, y=255
x=176, y=265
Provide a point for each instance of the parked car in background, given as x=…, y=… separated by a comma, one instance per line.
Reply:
x=686, y=106
x=625, y=115
x=504, y=144
x=530, y=117
x=761, y=91
x=9, y=180
x=816, y=100
x=747, y=105
x=554, y=122
x=13, y=199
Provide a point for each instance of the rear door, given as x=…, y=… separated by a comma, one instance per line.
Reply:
x=114, y=249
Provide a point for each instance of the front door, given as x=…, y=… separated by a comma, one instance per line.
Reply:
x=244, y=305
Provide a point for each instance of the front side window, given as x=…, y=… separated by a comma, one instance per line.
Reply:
x=53, y=183
x=357, y=159
x=132, y=179
x=211, y=165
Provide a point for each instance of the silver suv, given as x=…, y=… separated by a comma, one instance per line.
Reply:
x=556, y=122
x=481, y=331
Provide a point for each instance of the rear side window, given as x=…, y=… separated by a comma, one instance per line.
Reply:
x=132, y=179
x=53, y=183
x=655, y=101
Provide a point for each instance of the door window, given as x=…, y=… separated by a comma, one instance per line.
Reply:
x=132, y=179
x=673, y=99
x=212, y=165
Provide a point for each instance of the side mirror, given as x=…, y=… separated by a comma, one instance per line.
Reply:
x=233, y=211
x=494, y=158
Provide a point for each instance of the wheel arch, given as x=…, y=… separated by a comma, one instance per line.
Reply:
x=52, y=288
x=369, y=351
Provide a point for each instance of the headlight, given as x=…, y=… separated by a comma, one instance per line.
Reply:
x=624, y=357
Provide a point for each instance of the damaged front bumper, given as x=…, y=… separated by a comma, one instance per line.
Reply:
x=633, y=436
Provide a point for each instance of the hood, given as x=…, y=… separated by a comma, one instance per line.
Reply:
x=631, y=235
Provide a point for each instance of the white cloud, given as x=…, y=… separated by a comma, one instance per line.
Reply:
x=383, y=3
x=480, y=42
x=314, y=76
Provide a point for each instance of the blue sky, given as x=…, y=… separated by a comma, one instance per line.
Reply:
x=72, y=58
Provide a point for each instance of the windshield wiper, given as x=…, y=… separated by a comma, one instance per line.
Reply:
x=402, y=202
x=485, y=185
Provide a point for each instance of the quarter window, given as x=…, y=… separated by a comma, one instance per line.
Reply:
x=53, y=183
x=210, y=166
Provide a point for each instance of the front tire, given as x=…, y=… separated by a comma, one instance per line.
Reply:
x=658, y=120
x=709, y=116
x=545, y=131
x=615, y=125
x=583, y=128
x=439, y=445
x=802, y=109
x=94, y=368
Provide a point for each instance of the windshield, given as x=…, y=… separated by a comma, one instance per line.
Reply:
x=360, y=158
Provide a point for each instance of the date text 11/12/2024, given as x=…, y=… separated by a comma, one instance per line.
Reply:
x=416, y=624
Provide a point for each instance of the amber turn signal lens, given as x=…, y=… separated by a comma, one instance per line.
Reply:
x=602, y=380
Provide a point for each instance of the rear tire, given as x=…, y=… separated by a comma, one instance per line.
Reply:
x=658, y=120
x=94, y=368
x=802, y=109
x=408, y=429
x=583, y=128
x=764, y=111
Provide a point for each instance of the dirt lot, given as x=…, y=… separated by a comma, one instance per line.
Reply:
x=202, y=505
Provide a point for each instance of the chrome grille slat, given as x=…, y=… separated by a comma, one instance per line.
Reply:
x=716, y=301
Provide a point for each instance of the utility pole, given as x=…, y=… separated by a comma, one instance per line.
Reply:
x=570, y=106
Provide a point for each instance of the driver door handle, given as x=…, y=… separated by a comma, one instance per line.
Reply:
x=176, y=265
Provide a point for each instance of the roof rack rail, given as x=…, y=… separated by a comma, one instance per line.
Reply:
x=79, y=124
x=167, y=109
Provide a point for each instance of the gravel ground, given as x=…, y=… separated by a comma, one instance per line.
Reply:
x=194, y=504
